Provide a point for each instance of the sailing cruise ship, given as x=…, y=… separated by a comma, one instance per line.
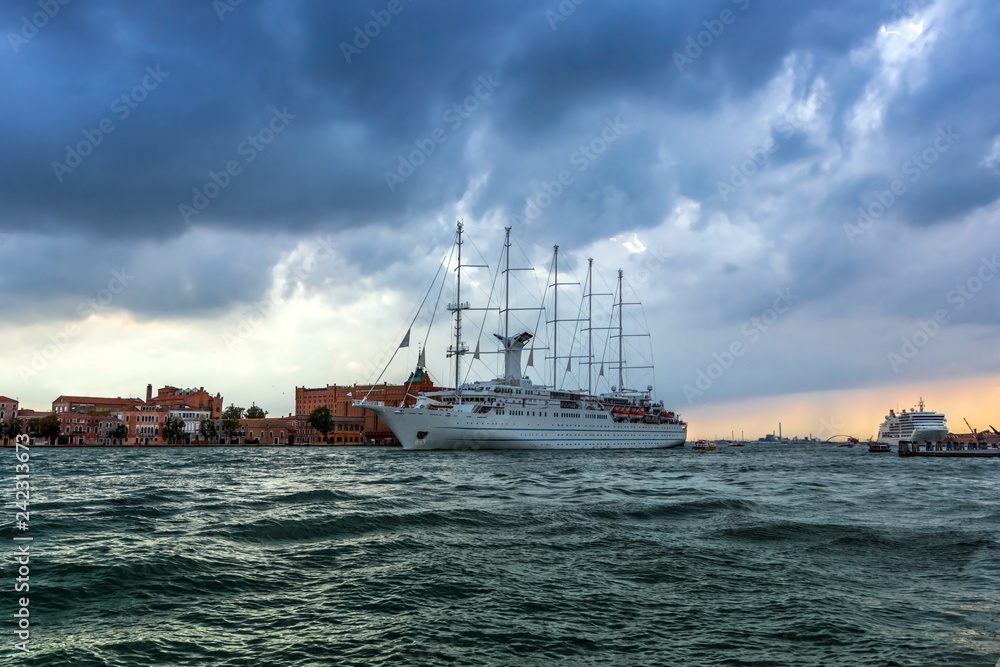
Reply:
x=913, y=425
x=511, y=412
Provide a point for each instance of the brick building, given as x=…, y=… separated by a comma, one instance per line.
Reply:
x=29, y=415
x=145, y=424
x=988, y=438
x=80, y=428
x=8, y=408
x=339, y=399
x=197, y=399
x=297, y=431
x=85, y=404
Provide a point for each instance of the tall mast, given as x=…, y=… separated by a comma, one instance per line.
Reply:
x=590, y=294
x=458, y=307
x=621, y=332
x=510, y=343
x=458, y=312
x=555, y=319
x=506, y=290
x=590, y=324
x=621, y=357
x=555, y=316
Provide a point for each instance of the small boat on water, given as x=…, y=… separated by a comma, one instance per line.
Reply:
x=704, y=445
x=879, y=447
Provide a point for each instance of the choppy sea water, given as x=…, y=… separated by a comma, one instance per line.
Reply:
x=763, y=555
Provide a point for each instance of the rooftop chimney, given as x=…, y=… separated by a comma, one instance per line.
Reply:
x=149, y=393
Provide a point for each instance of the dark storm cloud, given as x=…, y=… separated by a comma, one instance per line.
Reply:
x=222, y=79
x=215, y=84
x=74, y=277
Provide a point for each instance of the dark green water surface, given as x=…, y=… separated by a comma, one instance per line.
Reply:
x=764, y=555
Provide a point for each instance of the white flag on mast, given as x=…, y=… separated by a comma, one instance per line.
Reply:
x=406, y=339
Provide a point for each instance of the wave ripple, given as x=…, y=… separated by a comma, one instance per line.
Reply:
x=766, y=555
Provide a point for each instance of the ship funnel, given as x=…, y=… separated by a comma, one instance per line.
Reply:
x=512, y=348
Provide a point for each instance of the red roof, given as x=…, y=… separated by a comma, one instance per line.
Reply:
x=150, y=407
x=27, y=413
x=6, y=399
x=98, y=400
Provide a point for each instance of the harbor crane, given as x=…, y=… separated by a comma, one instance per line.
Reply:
x=974, y=433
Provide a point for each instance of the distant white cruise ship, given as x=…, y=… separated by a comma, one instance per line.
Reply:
x=914, y=425
x=511, y=412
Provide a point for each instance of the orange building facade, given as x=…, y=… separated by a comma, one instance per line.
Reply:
x=8, y=408
x=340, y=401
x=297, y=431
x=197, y=399
x=145, y=424
x=87, y=429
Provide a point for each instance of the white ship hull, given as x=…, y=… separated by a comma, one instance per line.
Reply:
x=512, y=412
x=428, y=429
x=920, y=436
x=920, y=426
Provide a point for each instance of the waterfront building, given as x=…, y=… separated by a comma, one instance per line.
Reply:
x=295, y=430
x=8, y=408
x=28, y=413
x=971, y=440
x=270, y=430
x=197, y=399
x=144, y=424
x=87, y=429
x=84, y=404
x=192, y=420
x=340, y=400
